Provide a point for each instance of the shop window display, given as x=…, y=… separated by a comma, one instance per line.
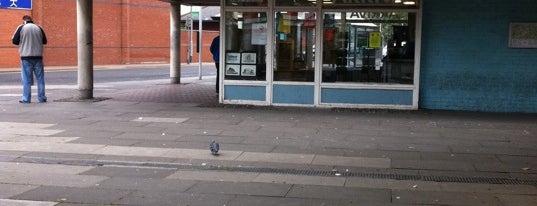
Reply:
x=245, y=46
x=376, y=47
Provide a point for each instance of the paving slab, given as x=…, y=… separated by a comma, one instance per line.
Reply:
x=219, y=176
x=352, y=161
x=174, y=144
x=43, y=139
x=240, y=188
x=130, y=151
x=52, y=175
x=494, y=150
x=415, y=147
x=89, y=133
x=49, y=147
x=265, y=123
x=160, y=119
x=23, y=125
x=201, y=154
x=144, y=198
x=73, y=204
x=30, y=131
x=290, y=131
x=497, y=166
x=137, y=159
x=307, y=150
x=74, y=195
x=208, y=138
x=450, y=156
x=9, y=202
x=64, y=180
x=393, y=184
x=146, y=184
x=277, y=139
x=9, y=190
x=8, y=156
x=489, y=188
x=57, y=158
x=147, y=136
x=220, y=123
x=129, y=171
x=444, y=198
x=276, y=157
x=516, y=200
x=246, y=147
x=14, y=167
x=341, y=193
x=300, y=179
x=243, y=200
x=182, y=131
x=251, y=134
x=343, y=144
x=106, y=141
x=433, y=165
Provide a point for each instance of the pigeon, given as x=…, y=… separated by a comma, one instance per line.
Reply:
x=214, y=147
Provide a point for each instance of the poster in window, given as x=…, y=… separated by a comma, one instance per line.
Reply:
x=309, y=20
x=523, y=35
x=233, y=58
x=248, y=58
x=259, y=33
x=233, y=69
x=248, y=70
x=374, y=40
x=283, y=23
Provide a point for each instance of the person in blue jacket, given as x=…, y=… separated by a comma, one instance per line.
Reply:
x=30, y=38
x=215, y=50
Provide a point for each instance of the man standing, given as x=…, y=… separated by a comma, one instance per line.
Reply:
x=31, y=38
x=215, y=50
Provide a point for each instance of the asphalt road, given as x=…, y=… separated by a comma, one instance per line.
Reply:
x=133, y=73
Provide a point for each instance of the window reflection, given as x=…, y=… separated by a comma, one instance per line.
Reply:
x=245, y=45
x=371, y=3
x=368, y=47
x=246, y=2
x=294, y=46
x=295, y=2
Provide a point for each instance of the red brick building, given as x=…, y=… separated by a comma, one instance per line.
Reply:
x=125, y=32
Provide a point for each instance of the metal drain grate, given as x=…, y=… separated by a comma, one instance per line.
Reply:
x=178, y=166
x=482, y=180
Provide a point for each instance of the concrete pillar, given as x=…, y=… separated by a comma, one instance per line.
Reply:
x=175, y=42
x=84, y=23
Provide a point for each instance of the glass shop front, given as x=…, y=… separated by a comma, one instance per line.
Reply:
x=321, y=53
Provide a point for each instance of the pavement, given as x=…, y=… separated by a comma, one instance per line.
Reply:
x=147, y=143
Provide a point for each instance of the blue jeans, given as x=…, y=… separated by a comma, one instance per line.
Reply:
x=35, y=66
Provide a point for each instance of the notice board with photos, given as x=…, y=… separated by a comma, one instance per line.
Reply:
x=241, y=65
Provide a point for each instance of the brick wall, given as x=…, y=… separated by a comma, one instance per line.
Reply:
x=9, y=55
x=466, y=63
x=125, y=32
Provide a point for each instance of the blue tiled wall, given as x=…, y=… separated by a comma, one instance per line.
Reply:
x=466, y=62
x=293, y=94
x=366, y=96
x=239, y=92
